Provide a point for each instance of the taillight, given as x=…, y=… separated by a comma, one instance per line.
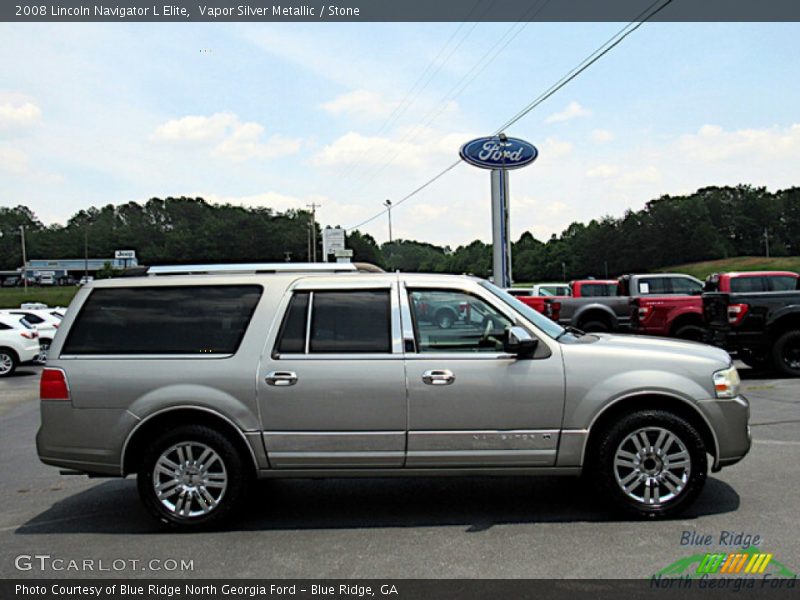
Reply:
x=552, y=310
x=29, y=335
x=736, y=313
x=53, y=385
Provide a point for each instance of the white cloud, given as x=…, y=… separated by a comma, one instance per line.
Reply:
x=571, y=111
x=360, y=103
x=402, y=150
x=555, y=148
x=712, y=143
x=230, y=137
x=602, y=171
x=13, y=161
x=636, y=177
x=15, y=116
x=602, y=135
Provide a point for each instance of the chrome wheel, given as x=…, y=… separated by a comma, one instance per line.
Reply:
x=6, y=363
x=652, y=466
x=190, y=479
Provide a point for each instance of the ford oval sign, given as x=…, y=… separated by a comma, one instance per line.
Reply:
x=497, y=153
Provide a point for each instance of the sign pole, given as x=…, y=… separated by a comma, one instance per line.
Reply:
x=501, y=244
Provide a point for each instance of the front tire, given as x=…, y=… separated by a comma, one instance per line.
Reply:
x=192, y=477
x=650, y=464
x=44, y=348
x=445, y=318
x=786, y=353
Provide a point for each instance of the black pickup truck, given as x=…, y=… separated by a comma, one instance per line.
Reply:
x=762, y=328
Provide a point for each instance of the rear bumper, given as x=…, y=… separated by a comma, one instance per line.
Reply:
x=735, y=341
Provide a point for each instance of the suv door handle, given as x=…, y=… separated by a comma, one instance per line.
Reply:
x=281, y=378
x=438, y=377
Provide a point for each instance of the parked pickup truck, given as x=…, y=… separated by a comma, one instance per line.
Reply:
x=613, y=313
x=682, y=316
x=762, y=328
x=581, y=288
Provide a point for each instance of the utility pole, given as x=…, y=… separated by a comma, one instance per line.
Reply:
x=388, y=205
x=563, y=271
x=86, y=252
x=766, y=241
x=24, y=258
x=605, y=266
x=312, y=255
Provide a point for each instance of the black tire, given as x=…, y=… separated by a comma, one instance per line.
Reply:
x=595, y=327
x=608, y=479
x=239, y=477
x=8, y=362
x=786, y=353
x=691, y=333
x=445, y=318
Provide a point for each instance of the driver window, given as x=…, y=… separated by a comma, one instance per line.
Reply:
x=453, y=321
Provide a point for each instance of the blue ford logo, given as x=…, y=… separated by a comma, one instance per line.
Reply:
x=497, y=153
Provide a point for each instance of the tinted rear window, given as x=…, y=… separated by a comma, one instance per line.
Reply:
x=782, y=283
x=748, y=284
x=163, y=320
x=598, y=289
x=352, y=321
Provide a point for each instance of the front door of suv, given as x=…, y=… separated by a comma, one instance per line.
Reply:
x=331, y=385
x=470, y=403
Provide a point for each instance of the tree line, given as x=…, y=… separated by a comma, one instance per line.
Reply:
x=711, y=223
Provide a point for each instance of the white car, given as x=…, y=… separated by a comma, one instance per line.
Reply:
x=44, y=322
x=19, y=343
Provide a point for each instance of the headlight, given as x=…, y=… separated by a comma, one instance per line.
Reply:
x=726, y=383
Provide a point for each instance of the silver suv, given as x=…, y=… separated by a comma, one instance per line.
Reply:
x=199, y=379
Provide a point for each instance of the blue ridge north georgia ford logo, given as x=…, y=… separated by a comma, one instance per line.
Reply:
x=498, y=153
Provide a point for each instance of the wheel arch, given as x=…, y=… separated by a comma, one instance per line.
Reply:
x=651, y=401
x=685, y=318
x=784, y=321
x=180, y=415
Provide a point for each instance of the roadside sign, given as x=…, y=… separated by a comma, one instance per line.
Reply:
x=498, y=153
x=332, y=240
x=343, y=253
x=124, y=254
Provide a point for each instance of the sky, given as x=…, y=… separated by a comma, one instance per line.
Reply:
x=349, y=115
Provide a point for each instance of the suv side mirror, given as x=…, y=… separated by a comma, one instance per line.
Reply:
x=518, y=341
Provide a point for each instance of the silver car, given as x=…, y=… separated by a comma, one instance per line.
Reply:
x=200, y=379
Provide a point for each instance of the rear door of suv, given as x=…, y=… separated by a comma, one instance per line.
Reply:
x=331, y=383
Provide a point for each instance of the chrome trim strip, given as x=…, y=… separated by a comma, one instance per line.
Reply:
x=421, y=472
x=308, y=321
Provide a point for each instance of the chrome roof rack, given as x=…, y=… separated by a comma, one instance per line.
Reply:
x=252, y=268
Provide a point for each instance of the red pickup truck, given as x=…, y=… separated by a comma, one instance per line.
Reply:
x=581, y=288
x=682, y=316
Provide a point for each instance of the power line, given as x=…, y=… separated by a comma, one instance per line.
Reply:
x=409, y=99
x=458, y=88
x=587, y=62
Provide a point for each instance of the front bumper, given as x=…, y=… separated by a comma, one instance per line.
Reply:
x=730, y=422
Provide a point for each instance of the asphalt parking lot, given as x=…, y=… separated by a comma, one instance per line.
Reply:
x=428, y=528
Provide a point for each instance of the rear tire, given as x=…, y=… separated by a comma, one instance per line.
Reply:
x=786, y=353
x=691, y=333
x=44, y=348
x=595, y=327
x=8, y=362
x=657, y=478
x=193, y=478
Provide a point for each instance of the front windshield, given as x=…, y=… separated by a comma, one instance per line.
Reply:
x=546, y=325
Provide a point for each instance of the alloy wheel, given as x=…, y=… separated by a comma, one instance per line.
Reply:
x=652, y=466
x=190, y=479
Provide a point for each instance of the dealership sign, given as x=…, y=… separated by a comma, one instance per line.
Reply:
x=124, y=254
x=499, y=153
